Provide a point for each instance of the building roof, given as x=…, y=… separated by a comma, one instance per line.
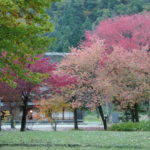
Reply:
x=55, y=57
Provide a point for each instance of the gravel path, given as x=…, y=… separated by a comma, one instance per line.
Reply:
x=60, y=127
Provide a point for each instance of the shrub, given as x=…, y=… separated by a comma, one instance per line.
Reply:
x=130, y=126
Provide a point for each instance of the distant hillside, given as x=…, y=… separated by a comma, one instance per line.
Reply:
x=73, y=17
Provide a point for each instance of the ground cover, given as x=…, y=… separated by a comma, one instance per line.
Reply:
x=92, y=118
x=74, y=140
x=130, y=126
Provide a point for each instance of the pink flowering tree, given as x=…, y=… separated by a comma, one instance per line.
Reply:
x=104, y=77
x=128, y=74
x=129, y=32
x=83, y=63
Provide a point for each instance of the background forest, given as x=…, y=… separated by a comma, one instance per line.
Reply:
x=73, y=17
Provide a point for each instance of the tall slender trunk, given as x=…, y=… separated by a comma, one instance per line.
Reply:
x=132, y=115
x=102, y=117
x=136, y=112
x=12, y=122
x=126, y=116
x=0, y=122
x=75, y=119
x=23, y=121
x=0, y=116
x=63, y=113
x=54, y=124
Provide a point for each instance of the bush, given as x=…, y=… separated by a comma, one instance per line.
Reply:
x=130, y=126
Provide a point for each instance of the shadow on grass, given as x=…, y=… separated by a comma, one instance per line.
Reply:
x=73, y=145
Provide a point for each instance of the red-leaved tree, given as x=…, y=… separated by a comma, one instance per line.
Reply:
x=129, y=32
x=50, y=81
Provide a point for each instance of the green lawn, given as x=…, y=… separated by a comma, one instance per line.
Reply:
x=74, y=140
x=91, y=118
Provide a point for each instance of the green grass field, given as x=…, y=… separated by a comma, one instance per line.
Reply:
x=74, y=140
x=91, y=118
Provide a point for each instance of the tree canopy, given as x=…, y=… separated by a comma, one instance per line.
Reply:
x=73, y=17
x=129, y=32
x=23, y=25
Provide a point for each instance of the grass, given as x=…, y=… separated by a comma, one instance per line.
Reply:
x=91, y=118
x=74, y=140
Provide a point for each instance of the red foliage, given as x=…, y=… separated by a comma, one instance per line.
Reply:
x=53, y=81
x=129, y=32
x=62, y=80
x=42, y=66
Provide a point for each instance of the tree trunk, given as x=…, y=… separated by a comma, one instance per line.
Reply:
x=102, y=117
x=75, y=119
x=0, y=122
x=136, y=112
x=0, y=116
x=126, y=115
x=23, y=121
x=54, y=124
x=132, y=115
x=55, y=127
x=63, y=115
x=12, y=122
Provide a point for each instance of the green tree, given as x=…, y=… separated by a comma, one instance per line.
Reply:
x=67, y=32
x=23, y=25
